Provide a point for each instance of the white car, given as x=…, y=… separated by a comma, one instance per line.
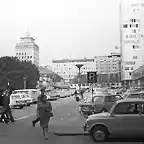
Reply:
x=27, y=98
x=17, y=100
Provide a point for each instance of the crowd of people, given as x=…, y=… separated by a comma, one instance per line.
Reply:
x=43, y=111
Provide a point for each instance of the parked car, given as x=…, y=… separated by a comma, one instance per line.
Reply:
x=125, y=119
x=17, y=100
x=32, y=93
x=135, y=95
x=98, y=102
x=27, y=98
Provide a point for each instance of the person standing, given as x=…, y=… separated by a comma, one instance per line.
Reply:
x=3, y=109
x=44, y=109
x=39, y=100
x=7, y=109
x=7, y=103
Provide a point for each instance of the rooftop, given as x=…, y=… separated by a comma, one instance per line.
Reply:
x=73, y=60
x=131, y=100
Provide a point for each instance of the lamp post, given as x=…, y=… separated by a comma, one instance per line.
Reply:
x=79, y=67
x=25, y=80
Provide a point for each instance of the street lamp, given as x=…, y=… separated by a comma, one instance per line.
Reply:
x=25, y=80
x=79, y=67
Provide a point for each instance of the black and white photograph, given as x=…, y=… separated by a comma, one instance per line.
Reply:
x=71, y=71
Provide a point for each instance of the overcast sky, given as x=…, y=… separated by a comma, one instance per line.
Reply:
x=61, y=28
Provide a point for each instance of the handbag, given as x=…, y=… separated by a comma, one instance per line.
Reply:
x=50, y=114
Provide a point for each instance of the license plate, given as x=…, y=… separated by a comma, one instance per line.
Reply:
x=85, y=108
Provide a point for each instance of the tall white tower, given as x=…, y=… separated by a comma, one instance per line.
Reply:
x=132, y=36
x=27, y=49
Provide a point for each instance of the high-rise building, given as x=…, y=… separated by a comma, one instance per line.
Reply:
x=27, y=50
x=108, y=68
x=132, y=36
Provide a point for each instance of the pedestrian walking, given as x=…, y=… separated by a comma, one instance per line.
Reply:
x=42, y=90
x=6, y=114
x=2, y=111
x=44, y=110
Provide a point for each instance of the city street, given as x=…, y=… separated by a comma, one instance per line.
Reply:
x=65, y=127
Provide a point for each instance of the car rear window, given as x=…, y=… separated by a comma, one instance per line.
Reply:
x=17, y=96
x=134, y=96
x=110, y=98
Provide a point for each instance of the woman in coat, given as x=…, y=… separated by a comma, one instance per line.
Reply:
x=44, y=109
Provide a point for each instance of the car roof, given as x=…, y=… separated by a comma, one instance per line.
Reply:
x=19, y=94
x=130, y=100
x=101, y=94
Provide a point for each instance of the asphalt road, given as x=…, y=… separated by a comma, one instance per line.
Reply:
x=65, y=127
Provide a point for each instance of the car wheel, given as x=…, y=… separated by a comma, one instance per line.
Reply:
x=104, y=110
x=99, y=133
x=21, y=107
x=28, y=104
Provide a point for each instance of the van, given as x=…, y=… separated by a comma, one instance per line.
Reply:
x=18, y=100
x=32, y=93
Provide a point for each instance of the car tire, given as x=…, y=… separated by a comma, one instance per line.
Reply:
x=103, y=110
x=99, y=133
x=28, y=105
x=21, y=107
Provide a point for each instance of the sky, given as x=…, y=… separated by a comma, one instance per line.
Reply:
x=62, y=28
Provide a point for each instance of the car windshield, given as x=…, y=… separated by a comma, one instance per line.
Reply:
x=17, y=96
x=97, y=99
x=26, y=92
x=133, y=95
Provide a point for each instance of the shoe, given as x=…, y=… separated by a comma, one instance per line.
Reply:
x=33, y=124
x=1, y=121
x=46, y=137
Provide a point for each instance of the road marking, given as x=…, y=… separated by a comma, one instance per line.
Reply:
x=61, y=118
x=24, y=117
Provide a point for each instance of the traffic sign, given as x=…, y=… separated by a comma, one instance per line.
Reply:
x=91, y=77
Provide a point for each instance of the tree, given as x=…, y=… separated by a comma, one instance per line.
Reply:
x=31, y=73
x=13, y=71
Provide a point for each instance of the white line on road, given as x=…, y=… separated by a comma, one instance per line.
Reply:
x=24, y=117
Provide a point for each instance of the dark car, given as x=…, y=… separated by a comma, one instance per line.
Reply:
x=99, y=102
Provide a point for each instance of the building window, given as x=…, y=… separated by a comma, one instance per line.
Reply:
x=134, y=57
x=130, y=73
x=19, y=53
x=130, y=25
x=134, y=30
x=136, y=25
x=30, y=56
x=131, y=68
x=27, y=56
x=133, y=20
x=135, y=46
x=126, y=68
x=125, y=26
